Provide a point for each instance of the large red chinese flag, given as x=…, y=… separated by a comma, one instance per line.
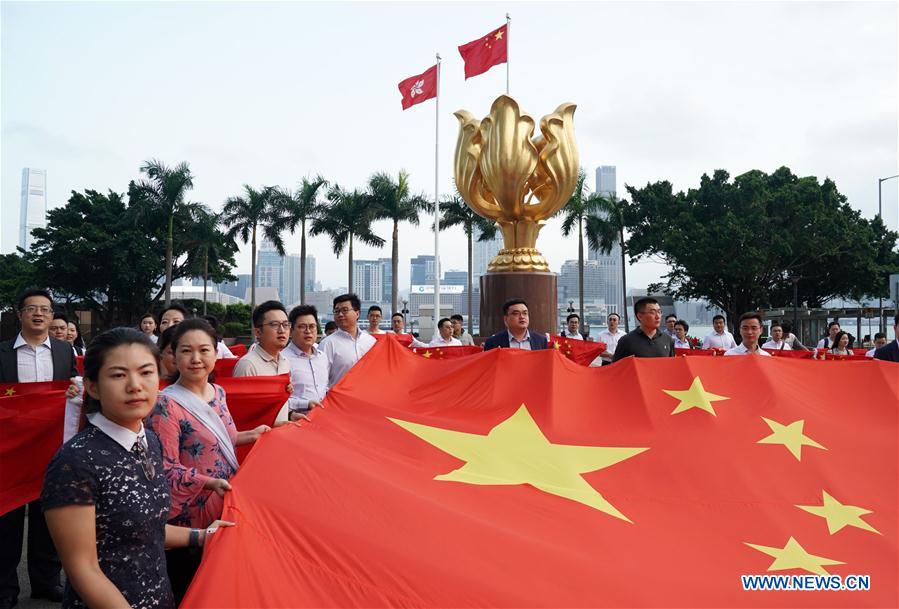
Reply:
x=419, y=88
x=487, y=51
x=521, y=479
x=447, y=352
x=582, y=352
x=254, y=401
x=31, y=423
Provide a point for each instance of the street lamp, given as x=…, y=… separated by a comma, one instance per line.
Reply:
x=880, y=182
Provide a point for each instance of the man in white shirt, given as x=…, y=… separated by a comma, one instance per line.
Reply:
x=720, y=338
x=459, y=331
x=777, y=339
x=880, y=339
x=832, y=329
x=375, y=315
x=444, y=336
x=308, y=365
x=345, y=347
x=750, y=331
x=572, y=324
x=670, y=320
x=610, y=336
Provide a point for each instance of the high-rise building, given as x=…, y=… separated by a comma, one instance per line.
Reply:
x=455, y=278
x=269, y=268
x=422, y=268
x=610, y=292
x=234, y=288
x=33, y=211
x=310, y=273
x=387, y=279
x=482, y=253
x=368, y=280
x=290, y=280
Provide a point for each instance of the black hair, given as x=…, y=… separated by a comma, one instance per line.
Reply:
x=683, y=324
x=398, y=314
x=879, y=335
x=839, y=335
x=670, y=315
x=717, y=317
x=183, y=328
x=351, y=298
x=641, y=304
x=260, y=311
x=511, y=303
x=787, y=327
x=100, y=347
x=615, y=314
x=331, y=325
x=61, y=316
x=175, y=306
x=79, y=341
x=165, y=339
x=375, y=308
x=572, y=316
x=457, y=317
x=212, y=320
x=440, y=323
x=33, y=292
x=832, y=324
x=776, y=324
x=751, y=315
x=300, y=310
x=896, y=321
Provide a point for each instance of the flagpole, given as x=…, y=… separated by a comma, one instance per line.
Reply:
x=437, y=202
x=508, y=49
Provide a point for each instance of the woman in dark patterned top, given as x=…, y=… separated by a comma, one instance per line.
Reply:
x=105, y=498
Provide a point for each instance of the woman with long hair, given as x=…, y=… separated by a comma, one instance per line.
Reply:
x=73, y=335
x=841, y=344
x=104, y=497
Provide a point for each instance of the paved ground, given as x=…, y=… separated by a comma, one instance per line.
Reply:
x=25, y=600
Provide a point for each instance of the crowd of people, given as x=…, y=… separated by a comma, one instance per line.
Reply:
x=129, y=501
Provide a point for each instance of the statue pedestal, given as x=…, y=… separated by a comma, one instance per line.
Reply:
x=539, y=290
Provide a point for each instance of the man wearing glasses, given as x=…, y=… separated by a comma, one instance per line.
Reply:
x=308, y=366
x=33, y=357
x=516, y=335
x=346, y=346
x=264, y=358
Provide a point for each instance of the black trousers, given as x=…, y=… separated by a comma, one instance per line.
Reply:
x=43, y=563
x=182, y=565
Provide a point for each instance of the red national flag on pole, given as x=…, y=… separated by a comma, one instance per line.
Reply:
x=419, y=88
x=487, y=51
x=513, y=479
x=31, y=423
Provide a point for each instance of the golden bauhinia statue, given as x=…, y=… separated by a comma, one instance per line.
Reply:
x=508, y=175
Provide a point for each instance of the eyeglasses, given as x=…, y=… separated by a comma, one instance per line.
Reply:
x=32, y=309
x=306, y=327
x=343, y=310
x=274, y=325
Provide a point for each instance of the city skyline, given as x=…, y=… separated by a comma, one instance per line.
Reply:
x=776, y=90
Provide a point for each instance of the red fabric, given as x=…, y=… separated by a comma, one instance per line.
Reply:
x=79, y=364
x=581, y=352
x=254, y=401
x=238, y=350
x=487, y=51
x=819, y=354
x=345, y=510
x=224, y=368
x=404, y=339
x=419, y=88
x=447, y=352
x=31, y=424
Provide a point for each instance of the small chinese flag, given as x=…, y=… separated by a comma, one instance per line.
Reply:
x=419, y=88
x=487, y=51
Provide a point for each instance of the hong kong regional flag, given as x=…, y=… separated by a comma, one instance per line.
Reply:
x=419, y=88
x=487, y=51
x=516, y=479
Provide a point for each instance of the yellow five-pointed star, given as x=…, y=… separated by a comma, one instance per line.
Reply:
x=838, y=515
x=794, y=556
x=426, y=354
x=790, y=436
x=516, y=452
x=498, y=35
x=695, y=397
x=556, y=345
x=10, y=391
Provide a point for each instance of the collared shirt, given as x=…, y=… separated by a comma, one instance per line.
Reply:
x=525, y=344
x=682, y=344
x=465, y=338
x=223, y=352
x=258, y=362
x=438, y=341
x=638, y=344
x=575, y=336
x=343, y=351
x=725, y=340
x=308, y=374
x=152, y=337
x=122, y=436
x=777, y=346
x=35, y=365
x=824, y=343
x=870, y=353
x=611, y=341
x=742, y=350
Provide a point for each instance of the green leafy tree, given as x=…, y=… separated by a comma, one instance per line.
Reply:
x=393, y=201
x=16, y=274
x=296, y=209
x=211, y=250
x=739, y=243
x=455, y=212
x=164, y=191
x=246, y=215
x=607, y=228
x=347, y=217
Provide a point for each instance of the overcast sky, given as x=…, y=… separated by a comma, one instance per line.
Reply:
x=266, y=93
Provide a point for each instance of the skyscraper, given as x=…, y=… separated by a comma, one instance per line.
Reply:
x=422, y=268
x=310, y=273
x=368, y=280
x=387, y=279
x=482, y=253
x=290, y=280
x=610, y=290
x=269, y=268
x=33, y=211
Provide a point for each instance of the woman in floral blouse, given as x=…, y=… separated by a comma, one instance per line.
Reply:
x=198, y=438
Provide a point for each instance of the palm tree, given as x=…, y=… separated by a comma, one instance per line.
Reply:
x=454, y=212
x=580, y=208
x=349, y=215
x=607, y=229
x=295, y=210
x=209, y=242
x=392, y=201
x=165, y=190
x=245, y=215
